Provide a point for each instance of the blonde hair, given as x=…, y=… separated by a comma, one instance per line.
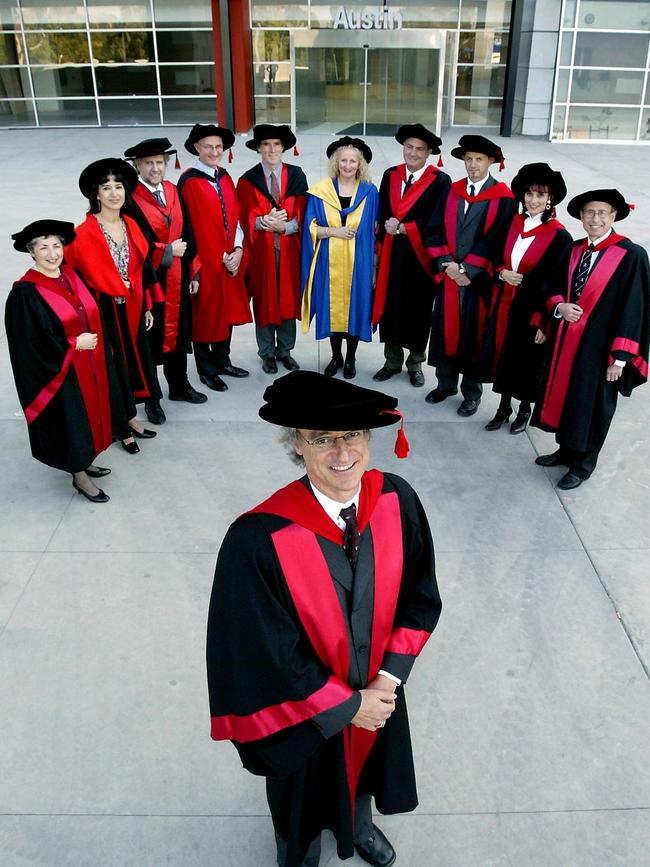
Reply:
x=363, y=172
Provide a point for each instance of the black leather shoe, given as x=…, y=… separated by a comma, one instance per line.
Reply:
x=554, y=460
x=417, y=378
x=520, y=423
x=269, y=365
x=500, y=417
x=231, y=370
x=384, y=374
x=97, y=472
x=132, y=448
x=145, y=435
x=468, y=407
x=99, y=497
x=155, y=413
x=349, y=370
x=569, y=481
x=215, y=382
x=189, y=395
x=332, y=367
x=289, y=362
x=440, y=394
x=376, y=849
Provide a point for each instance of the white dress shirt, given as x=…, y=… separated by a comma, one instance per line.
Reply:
x=522, y=244
x=477, y=187
x=157, y=189
x=239, y=234
x=416, y=177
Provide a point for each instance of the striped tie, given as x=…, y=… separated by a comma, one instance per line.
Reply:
x=159, y=198
x=223, y=204
x=581, y=274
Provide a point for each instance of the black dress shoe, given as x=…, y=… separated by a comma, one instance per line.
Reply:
x=349, y=370
x=97, y=472
x=569, y=481
x=554, y=460
x=214, y=382
x=189, y=395
x=231, y=370
x=333, y=366
x=132, y=448
x=520, y=423
x=155, y=413
x=440, y=394
x=501, y=416
x=468, y=407
x=99, y=497
x=269, y=365
x=144, y=434
x=384, y=374
x=376, y=849
x=417, y=378
x=289, y=362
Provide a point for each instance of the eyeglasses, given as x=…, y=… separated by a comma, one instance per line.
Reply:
x=590, y=214
x=327, y=442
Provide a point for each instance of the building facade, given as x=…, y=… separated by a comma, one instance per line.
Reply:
x=571, y=70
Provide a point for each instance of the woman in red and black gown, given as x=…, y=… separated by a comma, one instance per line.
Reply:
x=513, y=349
x=61, y=364
x=112, y=255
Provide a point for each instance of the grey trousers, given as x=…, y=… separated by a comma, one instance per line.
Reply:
x=276, y=341
x=394, y=355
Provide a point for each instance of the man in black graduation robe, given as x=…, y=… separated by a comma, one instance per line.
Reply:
x=600, y=301
x=312, y=629
x=404, y=290
x=466, y=236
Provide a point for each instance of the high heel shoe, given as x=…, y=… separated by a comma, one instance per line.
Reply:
x=132, y=448
x=145, y=434
x=519, y=424
x=501, y=416
x=97, y=472
x=334, y=365
x=99, y=497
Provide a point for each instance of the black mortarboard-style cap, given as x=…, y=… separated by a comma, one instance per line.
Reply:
x=312, y=401
x=416, y=130
x=90, y=176
x=612, y=197
x=347, y=142
x=43, y=229
x=269, y=130
x=480, y=145
x=539, y=174
x=203, y=130
x=150, y=147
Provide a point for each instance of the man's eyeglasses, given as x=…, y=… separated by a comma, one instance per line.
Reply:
x=328, y=442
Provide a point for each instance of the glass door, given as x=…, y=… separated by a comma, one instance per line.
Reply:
x=329, y=89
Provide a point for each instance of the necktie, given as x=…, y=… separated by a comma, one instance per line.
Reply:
x=408, y=183
x=351, y=534
x=159, y=198
x=223, y=204
x=472, y=190
x=581, y=274
x=274, y=189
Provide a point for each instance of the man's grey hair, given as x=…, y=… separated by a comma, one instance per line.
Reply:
x=289, y=438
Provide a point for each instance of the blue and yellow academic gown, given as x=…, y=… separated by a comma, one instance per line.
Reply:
x=337, y=274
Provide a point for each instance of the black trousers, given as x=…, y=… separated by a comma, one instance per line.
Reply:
x=583, y=463
x=211, y=358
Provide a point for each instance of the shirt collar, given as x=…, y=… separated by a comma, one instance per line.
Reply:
x=416, y=175
x=333, y=507
x=158, y=188
x=477, y=184
x=206, y=169
x=268, y=172
x=600, y=240
x=532, y=222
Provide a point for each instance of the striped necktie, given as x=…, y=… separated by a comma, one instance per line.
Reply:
x=159, y=198
x=581, y=274
x=223, y=204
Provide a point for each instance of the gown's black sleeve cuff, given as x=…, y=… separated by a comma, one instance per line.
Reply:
x=398, y=664
x=332, y=721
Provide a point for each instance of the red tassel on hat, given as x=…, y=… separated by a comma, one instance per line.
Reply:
x=631, y=206
x=177, y=164
x=402, y=446
x=296, y=152
x=440, y=162
x=502, y=164
x=230, y=157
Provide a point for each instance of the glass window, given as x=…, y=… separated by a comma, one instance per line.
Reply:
x=271, y=44
x=271, y=78
x=67, y=112
x=14, y=83
x=171, y=13
x=124, y=47
x=558, y=122
x=569, y=13
x=611, y=49
x=61, y=14
x=48, y=47
x=191, y=80
x=482, y=14
x=17, y=112
x=602, y=85
x=645, y=124
x=189, y=111
x=566, y=50
x=11, y=49
x=482, y=47
x=614, y=14
x=184, y=46
x=602, y=123
x=477, y=112
x=562, y=85
x=272, y=109
x=424, y=13
x=131, y=112
x=108, y=13
x=480, y=80
x=290, y=13
x=63, y=81
x=121, y=80
x=646, y=101
x=9, y=14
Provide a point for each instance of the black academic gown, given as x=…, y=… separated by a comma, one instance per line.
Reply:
x=292, y=636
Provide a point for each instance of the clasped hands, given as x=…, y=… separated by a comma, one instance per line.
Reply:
x=377, y=704
x=452, y=270
x=233, y=260
x=274, y=221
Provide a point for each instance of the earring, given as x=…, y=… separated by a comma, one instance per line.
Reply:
x=548, y=206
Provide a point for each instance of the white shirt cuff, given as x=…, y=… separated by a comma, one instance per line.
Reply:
x=390, y=676
x=619, y=363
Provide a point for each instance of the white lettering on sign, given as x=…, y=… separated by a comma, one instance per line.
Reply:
x=369, y=19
